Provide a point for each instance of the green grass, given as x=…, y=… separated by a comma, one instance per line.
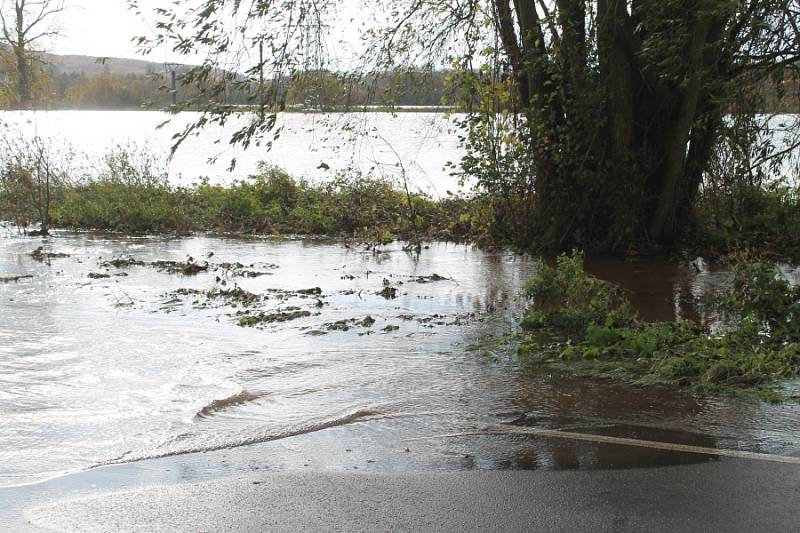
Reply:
x=272, y=202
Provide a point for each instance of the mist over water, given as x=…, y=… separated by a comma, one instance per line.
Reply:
x=97, y=371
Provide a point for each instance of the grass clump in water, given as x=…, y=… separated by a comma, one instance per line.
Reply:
x=586, y=326
x=260, y=319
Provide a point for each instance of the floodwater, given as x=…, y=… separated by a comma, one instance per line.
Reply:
x=315, y=146
x=113, y=370
x=413, y=146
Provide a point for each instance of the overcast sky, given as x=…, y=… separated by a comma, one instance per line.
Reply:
x=100, y=28
x=104, y=28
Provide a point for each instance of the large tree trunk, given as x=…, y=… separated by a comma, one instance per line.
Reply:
x=23, y=81
x=664, y=224
x=635, y=166
x=617, y=74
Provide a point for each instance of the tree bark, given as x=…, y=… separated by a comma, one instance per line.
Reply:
x=674, y=172
x=617, y=74
x=572, y=19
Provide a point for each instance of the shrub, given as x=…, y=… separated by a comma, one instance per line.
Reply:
x=591, y=329
x=568, y=301
x=756, y=216
x=764, y=302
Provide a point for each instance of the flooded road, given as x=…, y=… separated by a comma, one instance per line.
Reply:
x=106, y=362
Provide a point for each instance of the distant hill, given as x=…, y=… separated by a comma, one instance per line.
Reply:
x=92, y=66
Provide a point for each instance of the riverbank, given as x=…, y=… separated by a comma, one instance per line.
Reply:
x=137, y=201
x=132, y=201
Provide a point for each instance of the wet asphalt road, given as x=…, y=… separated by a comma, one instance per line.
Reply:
x=727, y=495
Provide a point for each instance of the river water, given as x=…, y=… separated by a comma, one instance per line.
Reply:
x=414, y=146
x=137, y=365
x=98, y=370
x=417, y=145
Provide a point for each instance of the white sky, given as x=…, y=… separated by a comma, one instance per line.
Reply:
x=99, y=28
x=105, y=28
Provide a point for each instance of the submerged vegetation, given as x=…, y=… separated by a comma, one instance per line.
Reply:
x=583, y=325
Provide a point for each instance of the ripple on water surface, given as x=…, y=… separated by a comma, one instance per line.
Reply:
x=141, y=361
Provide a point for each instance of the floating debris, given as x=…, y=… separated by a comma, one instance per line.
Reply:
x=350, y=323
x=234, y=297
x=14, y=279
x=188, y=267
x=250, y=321
x=315, y=291
x=122, y=262
x=390, y=293
x=251, y=273
x=239, y=270
x=340, y=325
x=285, y=294
x=40, y=255
x=430, y=279
x=98, y=275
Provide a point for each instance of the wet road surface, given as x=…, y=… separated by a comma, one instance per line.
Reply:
x=730, y=497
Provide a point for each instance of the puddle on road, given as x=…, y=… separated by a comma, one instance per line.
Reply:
x=567, y=454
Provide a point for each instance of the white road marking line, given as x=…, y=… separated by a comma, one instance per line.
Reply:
x=623, y=441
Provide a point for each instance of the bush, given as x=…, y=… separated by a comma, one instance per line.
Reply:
x=590, y=329
x=121, y=207
x=568, y=302
x=131, y=193
x=764, y=303
x=31, y=172
x=746, y=216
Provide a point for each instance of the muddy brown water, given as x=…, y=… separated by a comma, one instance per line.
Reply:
x=106, y=370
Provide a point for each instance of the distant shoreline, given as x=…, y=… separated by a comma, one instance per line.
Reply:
x=253, y=109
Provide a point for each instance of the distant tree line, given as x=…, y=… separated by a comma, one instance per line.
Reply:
x=52, y=88
x=315, y=90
